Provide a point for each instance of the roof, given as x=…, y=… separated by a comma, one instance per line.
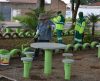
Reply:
x=26, y=1
x=23, y=1
x=63, y=2
x=95, y=4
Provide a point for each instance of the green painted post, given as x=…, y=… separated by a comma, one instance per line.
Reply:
x=48, y=62
x=30, y=65
x=98, y=51
x=26, y=69
x=22, y=47
x=67, y=68
x=27, y=66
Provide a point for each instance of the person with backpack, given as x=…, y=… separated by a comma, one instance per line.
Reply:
x=59, y=21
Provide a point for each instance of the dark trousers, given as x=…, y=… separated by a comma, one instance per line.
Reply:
x=38, y=50
x=78, y=38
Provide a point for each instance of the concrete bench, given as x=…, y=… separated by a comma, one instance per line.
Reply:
x=29, y=54
x=67, y=55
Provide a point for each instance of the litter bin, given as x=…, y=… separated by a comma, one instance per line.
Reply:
x=4, y=59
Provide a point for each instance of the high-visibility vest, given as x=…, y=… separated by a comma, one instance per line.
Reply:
x=58, y=23
x=80, y=27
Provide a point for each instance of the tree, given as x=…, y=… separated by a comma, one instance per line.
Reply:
x=30, y=20
x=74, y=10
x=75, y=5
x=93, y=19
x=42, y=6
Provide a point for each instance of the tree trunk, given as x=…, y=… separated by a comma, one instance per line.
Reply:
x=74, y=11
x=93, y=30
x=42, y=6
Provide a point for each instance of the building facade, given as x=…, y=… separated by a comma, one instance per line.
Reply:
x=11, y=8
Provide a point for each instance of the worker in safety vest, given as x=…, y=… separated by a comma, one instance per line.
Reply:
x=59, y=21
x=79, y=29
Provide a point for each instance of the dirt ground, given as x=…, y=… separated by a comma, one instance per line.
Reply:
x=85, y=68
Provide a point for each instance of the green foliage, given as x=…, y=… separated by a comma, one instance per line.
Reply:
x=30, y=20
x=88, y=38
x=93, y=18
x=41, y=6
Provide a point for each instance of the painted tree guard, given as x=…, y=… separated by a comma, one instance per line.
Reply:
x=14, y=52
x=86, y=45
x=7, y=35
x=28, y=34
x=21, y=34
x=93, y=44
x=77, y=46
x=68, y=47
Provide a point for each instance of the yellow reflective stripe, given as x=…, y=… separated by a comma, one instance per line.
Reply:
x=60, y=38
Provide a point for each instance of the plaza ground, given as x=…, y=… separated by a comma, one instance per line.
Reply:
x=85, y=68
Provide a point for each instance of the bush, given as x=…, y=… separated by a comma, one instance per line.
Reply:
x=88, y=38
x=30, y=19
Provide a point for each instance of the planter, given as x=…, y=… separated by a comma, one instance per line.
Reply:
x=7, y=35
x=86, y=46
x=69, y=47
x=93, y=44
x=77, y=47
x=15, y=35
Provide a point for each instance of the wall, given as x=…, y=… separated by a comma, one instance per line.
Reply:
x=86, y=10
x=57, y=5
